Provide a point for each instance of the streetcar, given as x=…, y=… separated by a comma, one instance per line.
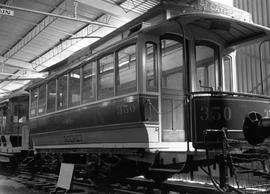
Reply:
x=161, y=95
x=14, y=139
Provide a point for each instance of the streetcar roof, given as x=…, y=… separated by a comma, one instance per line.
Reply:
x=229, y=31
x=230, y=26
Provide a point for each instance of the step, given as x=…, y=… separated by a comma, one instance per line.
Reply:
x=166, y=170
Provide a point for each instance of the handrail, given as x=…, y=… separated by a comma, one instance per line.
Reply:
x=216, y=93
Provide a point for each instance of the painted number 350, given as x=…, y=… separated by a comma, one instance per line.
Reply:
x=215, y=113
x=126, y=109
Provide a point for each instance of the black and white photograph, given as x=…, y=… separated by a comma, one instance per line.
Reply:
x=134, y=96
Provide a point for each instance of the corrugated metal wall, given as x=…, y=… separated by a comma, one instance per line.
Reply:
x=248, y=64
x=258, y=8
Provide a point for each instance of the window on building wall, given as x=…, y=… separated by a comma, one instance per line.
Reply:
x=74, y=87
x=126, y=70
x=89, y=82
x=34, y=101
x=172, y=64
x=151, y=67
x=42, y=99
x=106, y=77
x=62, y=92
x=51, y=102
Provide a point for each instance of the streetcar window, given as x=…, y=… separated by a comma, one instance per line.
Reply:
x=42, y=99
x=20, y=113
x=206, y=68
x=51, y=95
x=126, y=70
x=33, y=104
x=253, y=75
x=227, y=73
x=172, y=64
x=151, y=67
x=263, y=70
x=74, y=97
x=62, y=92
x=3, y=118
x=106, y=77
x=89, y=82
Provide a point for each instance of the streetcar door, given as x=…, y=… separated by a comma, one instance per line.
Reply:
x=172, y=89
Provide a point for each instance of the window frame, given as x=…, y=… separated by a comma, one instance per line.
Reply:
x=69, y=103
x=98, y=76
x=94, y=83
x=45, y=100
x=116, y=68
x=31, y=101
x=184, y=70
x=217, y=63
x=224, y=81
x=154, y=88
x=57, y=91
x=96, y=79
x=47, y=93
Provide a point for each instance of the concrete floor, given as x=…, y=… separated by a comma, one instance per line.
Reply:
x=9, y=186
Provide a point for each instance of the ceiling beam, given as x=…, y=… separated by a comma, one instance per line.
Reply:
x=17, y=63
x=110, y=8
x=45, y=23
x=5, y=90
x=64, y=45
x=18, y=79
x=31, y=35
x=24, y=74
x=57, y=16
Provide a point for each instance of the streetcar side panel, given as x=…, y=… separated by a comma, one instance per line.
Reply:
x=121, y=120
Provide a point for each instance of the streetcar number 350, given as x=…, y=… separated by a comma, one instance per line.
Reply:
x=215, y=113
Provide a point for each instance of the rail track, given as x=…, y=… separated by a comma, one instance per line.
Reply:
x=46, y=182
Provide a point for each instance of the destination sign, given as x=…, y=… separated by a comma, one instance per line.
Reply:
x=208, y=6
x=6, y=12
x=215, y=7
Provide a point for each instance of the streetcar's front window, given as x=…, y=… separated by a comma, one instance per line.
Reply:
x=252, y=75
x=206, y=68
x=239, y=71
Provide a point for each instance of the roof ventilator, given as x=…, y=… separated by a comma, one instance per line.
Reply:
x=138, y=28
